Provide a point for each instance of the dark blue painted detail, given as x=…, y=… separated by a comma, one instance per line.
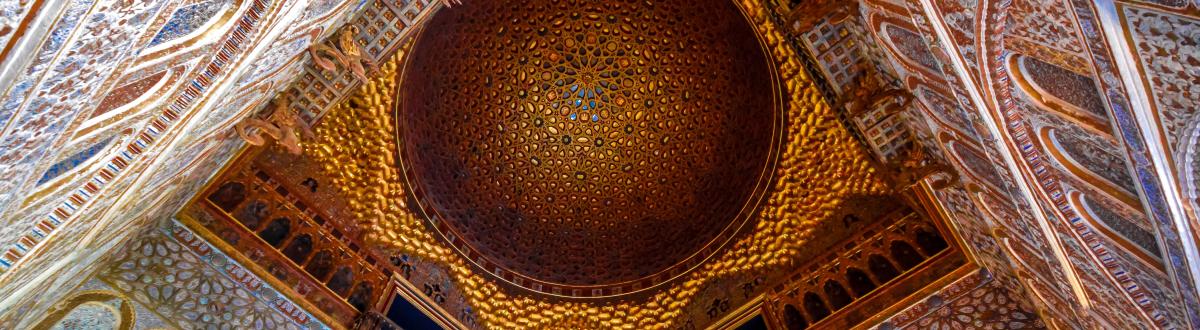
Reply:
x=74, y=160
x=187, y=19
x=409, y=317
x=756, y=323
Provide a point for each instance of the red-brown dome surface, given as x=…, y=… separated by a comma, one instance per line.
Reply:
x=588, y=145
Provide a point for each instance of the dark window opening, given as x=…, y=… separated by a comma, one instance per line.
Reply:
x=882, y=268
x=276, y=231
x=407, y=316
x=905, y=255
x=299, y=249
x=860, y=283
x=837, y=295
x=228, y=196
x=815, y=307
x=931, y=243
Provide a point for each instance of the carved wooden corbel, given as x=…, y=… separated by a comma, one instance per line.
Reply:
x=280, y=126
x=347, y=54
x=918, y=166
x=322, y=55
x=358, y=64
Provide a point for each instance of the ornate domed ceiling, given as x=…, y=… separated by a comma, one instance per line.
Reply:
x=604, y=145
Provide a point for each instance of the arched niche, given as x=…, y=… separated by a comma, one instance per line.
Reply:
x=908, y=47
x=1061, y=92
x=1137, y=240
x=976, y=164
x=90, y=310
x=1097, y=165
x=228, y=196
x=944, y=110
x=189, y=26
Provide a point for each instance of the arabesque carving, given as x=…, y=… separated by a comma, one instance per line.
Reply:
x=347, y=54
x=280, y=126
x=917, y=166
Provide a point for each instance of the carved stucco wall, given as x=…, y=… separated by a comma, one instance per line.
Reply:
x=1122, y=282
x=86, y=81
x=171, y=278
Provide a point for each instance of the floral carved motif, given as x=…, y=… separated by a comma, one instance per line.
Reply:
x=1168, y=46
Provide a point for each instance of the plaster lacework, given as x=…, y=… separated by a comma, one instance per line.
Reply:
x=187, y=19
x=89, y=316
x=945, y=110
x=73, y=161
x=960, y=19
x=911, y=46
x=1083, y=101
x=41, y=116
x=1043, y=29
x=1143, y=163
x=1096, y=154
x=197, y=287
x=172, y=173
x=1168, y=47
x=1030, y=153
x=1121, y=291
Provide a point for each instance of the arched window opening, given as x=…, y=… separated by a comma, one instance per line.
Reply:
x=883, y=269
x=361, y=298
x=252, y=214
x=792, y=319
x=905, y=255
x=320, y=265
x=228, y=196
x=341, y=281
x=860, y=283
x=815, y=307
x=930, y=243
x=299, y=249
x=276, y=231
x=837, y=295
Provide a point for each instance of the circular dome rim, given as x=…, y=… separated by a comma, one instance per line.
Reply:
x=481, y=261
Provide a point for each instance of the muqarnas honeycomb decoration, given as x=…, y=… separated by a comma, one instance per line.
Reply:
x=604, y=146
